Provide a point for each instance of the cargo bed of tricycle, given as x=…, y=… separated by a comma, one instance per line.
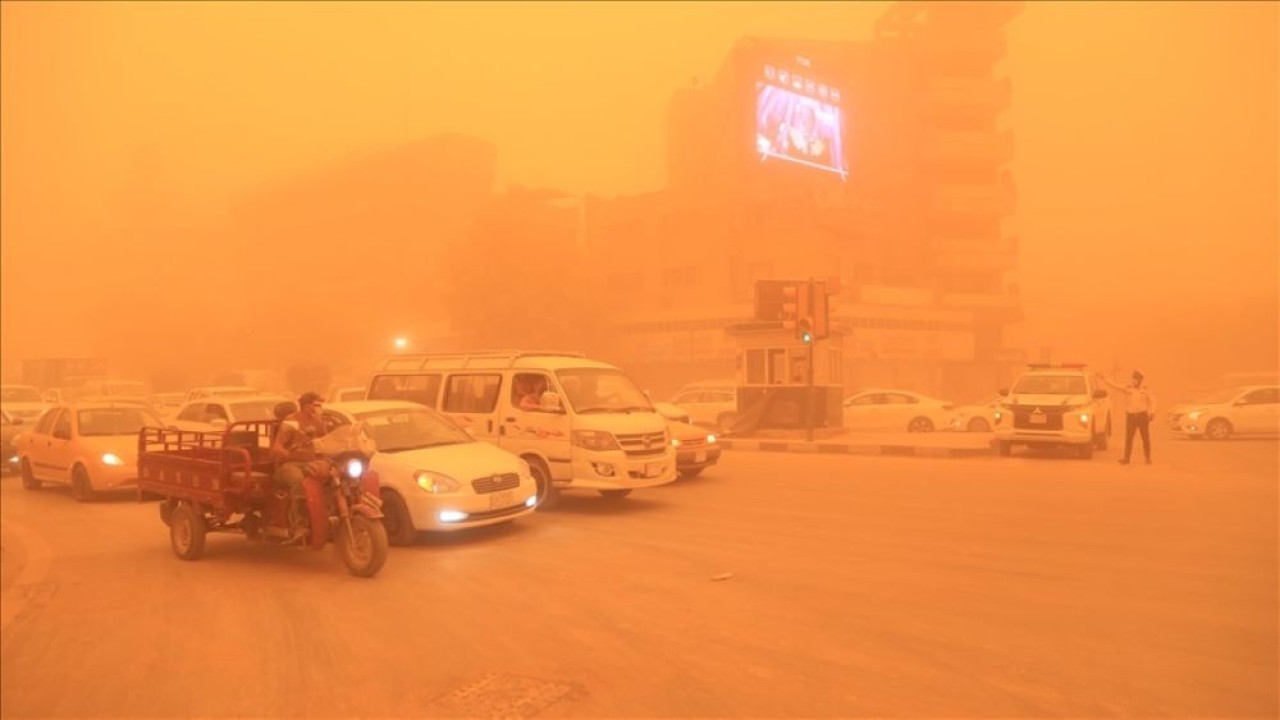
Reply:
x=221, y=471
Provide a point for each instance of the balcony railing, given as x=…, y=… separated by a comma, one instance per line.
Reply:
x=955, y=95
x=973, y=200
x=987, y=147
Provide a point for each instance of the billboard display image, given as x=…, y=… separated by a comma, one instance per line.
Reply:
x=800, y=120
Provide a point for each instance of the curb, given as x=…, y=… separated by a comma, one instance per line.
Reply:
x=826, y=448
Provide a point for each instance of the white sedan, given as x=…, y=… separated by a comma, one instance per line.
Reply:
x=875, y=410
x=433, y=474
x=214, y=414
x=1250, y=410
x=976, y=418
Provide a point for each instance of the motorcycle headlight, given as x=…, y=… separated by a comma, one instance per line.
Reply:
x=112, y=459
x=435, y=483
x=355, y=468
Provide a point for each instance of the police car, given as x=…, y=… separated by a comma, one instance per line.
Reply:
x=1057, y=405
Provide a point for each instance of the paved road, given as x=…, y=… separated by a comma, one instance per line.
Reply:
x=1027, y=586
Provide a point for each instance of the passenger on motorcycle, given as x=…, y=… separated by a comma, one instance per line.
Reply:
x=294, y=450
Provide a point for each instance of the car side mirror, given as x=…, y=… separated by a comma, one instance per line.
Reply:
x=1004, y=392
x=62, y=434
x=550, y=402
x=1099, y=394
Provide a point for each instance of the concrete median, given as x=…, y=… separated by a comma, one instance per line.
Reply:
x=935, y=445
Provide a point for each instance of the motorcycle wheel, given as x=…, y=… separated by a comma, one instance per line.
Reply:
x=364, y=548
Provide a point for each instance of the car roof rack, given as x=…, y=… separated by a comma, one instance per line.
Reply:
x=417, y=361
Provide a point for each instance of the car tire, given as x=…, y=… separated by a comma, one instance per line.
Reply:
x=29, y=479
x=1085, y=451
x=920, y=424
x=979, y=425
x=400, y=530
x=548, y=494
x=1100, y=442
x=81, y=488
x=1218, y=429
x=691, y=473
x=1004, y=448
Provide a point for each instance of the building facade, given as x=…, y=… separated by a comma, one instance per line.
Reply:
x=911, y=226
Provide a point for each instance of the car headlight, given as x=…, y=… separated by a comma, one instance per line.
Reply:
x=112, y=459
x=355, y=468
x=711, y=438
x=594, y=440
x=1084, y=419
x=435, y=483
x=675, y=442
x=1195, y=414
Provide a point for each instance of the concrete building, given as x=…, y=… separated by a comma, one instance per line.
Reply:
x=912, y=227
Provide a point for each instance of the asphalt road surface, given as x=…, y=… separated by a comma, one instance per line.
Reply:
x=774, y=586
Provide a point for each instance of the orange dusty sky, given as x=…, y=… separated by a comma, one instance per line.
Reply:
x=1146, y=132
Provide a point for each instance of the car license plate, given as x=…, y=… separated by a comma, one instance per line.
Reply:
x=1039, y=419
x=653, y=470
x=502, y=499
x=700, y=456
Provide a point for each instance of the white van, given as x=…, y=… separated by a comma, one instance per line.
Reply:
x=589, y=428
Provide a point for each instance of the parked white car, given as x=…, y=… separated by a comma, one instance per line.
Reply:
x=217, y=412
x=976, y=418
x=433, y=474
x=23, y=402
x=878, y=410
x=1249, y=410
x=346, y=394
x=709, y=404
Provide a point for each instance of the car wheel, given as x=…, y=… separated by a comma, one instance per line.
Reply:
x=1003, y=448
x=691, y=473
x=1085, y=451
x=81, y=488
x=1100, y=441
x=1218, y=429
x=979, y=425
x=920, y=424
x=548, y=495
x=400, y=530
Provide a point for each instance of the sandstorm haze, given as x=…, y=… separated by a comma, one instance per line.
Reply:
x=136, y=135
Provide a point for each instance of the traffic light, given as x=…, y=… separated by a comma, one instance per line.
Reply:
x=804, y=330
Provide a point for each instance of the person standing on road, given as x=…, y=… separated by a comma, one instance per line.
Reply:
x=1140, y=407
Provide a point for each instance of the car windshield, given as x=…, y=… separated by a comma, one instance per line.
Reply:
x=20, y=394
x=400, y=430
x=1050, y=385
x=115, y=421
x=601, y=390
x=249, y=411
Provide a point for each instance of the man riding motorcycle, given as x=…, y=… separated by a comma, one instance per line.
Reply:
x=295, y=454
